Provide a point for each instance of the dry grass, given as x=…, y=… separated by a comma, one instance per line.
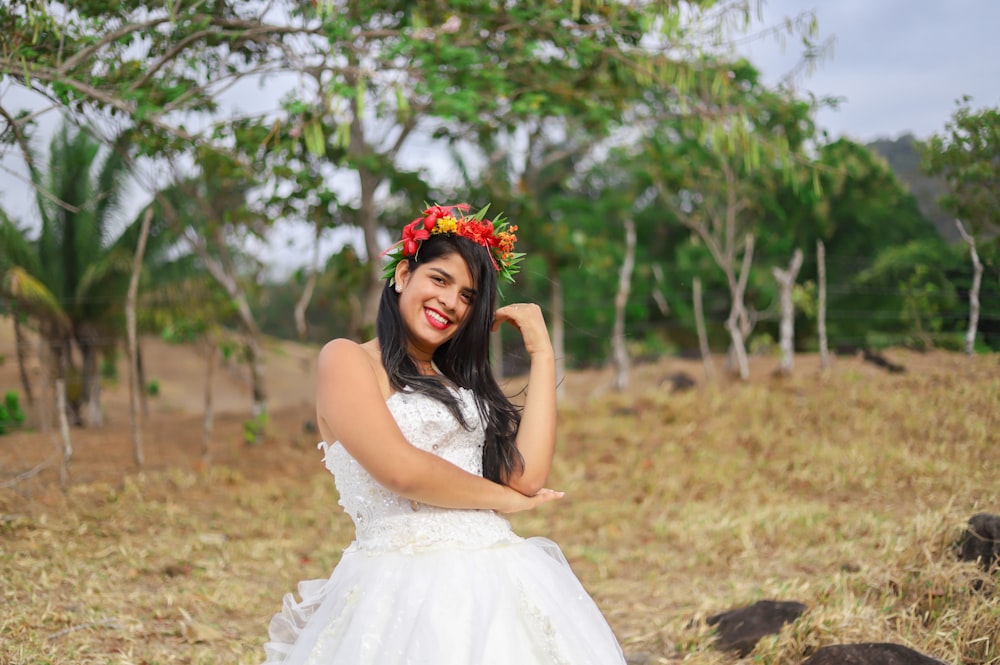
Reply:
x=844, y=491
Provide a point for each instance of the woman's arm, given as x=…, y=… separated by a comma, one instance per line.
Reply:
x=536, y=437
x=350, y=409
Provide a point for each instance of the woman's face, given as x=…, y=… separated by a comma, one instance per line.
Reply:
x=435, y=299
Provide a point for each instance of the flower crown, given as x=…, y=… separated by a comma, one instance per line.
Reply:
x=497, y=236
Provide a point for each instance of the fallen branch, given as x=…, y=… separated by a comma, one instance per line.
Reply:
x=30, y=473
x=83, y=626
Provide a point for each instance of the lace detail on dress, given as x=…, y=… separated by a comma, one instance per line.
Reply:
x=384, y=521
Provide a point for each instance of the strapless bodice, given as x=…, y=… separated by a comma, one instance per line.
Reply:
x=384, y=521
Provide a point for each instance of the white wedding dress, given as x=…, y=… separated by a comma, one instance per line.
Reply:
x=422, y=585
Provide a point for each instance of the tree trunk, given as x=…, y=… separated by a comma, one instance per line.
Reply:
x=141, y=376
x=21, y=343
x=620, y=352
x=368, y=221
x=824, y=351
x=977, y=281
x=307, y=292
x=258, y=413
x=91, y=378
x=61, y=363
x=207, y=422
x=558, y=330
x=661, y=301
x=699, y=321
x=738, y=324
x=786, y=282
x=48, y=365
x=133, y=348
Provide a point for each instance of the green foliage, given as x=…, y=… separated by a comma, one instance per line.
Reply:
x=336, y=304
x=254, y=429
x=914, y=292
x=967, y=155
x=539, y=92
x=153, y=388
x=109, y=365
x=11, y=414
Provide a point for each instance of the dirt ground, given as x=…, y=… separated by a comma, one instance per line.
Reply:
x=172, y=433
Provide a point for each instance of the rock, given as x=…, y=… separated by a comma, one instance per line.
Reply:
x=870, y=654
x=679, y=381
x=740, y=629
x=981, y=541
x=879, y=360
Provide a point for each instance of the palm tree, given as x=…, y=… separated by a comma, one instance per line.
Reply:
x=71, y=279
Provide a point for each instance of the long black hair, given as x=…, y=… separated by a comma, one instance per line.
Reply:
x=463, y=360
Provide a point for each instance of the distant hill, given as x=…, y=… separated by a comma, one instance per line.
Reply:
x=904, y=159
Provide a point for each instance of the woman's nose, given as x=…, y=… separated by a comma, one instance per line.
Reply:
x=448, y=298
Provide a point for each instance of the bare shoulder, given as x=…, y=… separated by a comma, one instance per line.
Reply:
x=340, y=349
x=346, y=360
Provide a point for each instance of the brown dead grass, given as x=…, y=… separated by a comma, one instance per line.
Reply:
x=843, y=490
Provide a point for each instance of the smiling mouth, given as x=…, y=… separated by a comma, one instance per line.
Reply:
x=436, y=319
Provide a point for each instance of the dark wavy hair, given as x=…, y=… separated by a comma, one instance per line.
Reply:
x=463, y=360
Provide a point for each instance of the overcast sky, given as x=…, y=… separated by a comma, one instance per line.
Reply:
x=899, y=65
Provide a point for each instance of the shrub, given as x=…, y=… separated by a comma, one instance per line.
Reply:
x=11, y=414
x=253, y=429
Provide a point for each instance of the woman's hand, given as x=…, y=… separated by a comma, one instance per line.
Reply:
x=528, y=319
x=520, y=502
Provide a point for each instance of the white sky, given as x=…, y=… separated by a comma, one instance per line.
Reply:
x=898, y=65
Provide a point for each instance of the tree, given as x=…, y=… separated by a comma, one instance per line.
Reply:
x=786, y=282
x=209, y=213
x=967, y=155
x=74, y=272
x=713, y=171
x=134, y=384
x=871, y=226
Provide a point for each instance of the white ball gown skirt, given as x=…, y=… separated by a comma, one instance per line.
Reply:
x=514, y=603
x=423, y=585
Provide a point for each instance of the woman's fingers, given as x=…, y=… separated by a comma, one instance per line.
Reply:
x=523, y=503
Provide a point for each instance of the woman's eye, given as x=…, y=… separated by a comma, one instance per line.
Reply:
x=467, y=297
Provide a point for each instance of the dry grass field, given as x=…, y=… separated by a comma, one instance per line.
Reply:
x=844, y=490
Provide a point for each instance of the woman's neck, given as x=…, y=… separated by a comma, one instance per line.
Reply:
x=425, y=366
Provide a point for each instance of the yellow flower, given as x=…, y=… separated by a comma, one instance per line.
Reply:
x=446, y=225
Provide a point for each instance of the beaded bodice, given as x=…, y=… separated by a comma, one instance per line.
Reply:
x=384, y=521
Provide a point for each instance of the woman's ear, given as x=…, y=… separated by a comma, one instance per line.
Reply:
x=402, y=275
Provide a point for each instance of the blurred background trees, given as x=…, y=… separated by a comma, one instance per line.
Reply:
x=240, y=121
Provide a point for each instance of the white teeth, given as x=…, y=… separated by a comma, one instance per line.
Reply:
x=437, y=317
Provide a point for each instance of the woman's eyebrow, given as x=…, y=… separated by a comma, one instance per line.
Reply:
x=443, y=273
x=447, y=275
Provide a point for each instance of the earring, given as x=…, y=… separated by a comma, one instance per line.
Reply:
x=399, y=288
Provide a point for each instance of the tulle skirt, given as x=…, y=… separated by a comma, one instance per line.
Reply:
x=512, y=603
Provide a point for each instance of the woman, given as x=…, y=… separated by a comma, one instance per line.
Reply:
x=426, y=453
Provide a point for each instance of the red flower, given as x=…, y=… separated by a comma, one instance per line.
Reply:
x=480, y=233
x=434, y=213
x=412, y=235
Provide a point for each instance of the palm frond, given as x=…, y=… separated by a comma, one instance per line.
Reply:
x=15, y=248
x=34, y=297
x=110, y=190
x=105, y=279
